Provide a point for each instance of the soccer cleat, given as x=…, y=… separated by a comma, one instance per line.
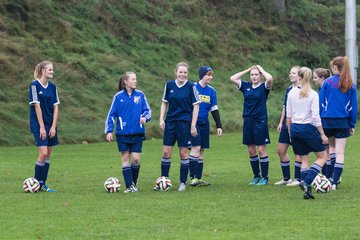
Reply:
x=135, y=187
x=254, y=181
x=131, y=189
x=283, y=182
x=334, y=187
x=202, y=183
x=294, y=183
x=307, y=190
x=45, y=188
x=262, y=182
x=182, y=187
x=194, y=182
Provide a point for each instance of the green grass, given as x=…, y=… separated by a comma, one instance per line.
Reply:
x=228, y=209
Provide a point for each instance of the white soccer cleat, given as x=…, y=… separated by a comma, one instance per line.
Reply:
x=182, y=187
x=283, y=182
x=294, y=183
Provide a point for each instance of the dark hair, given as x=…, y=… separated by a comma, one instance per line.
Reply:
x=122, y=79
x=323, y=72
x=342, y=64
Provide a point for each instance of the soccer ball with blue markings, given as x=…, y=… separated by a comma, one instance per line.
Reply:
x=112, y=184
x=163, y=184
x=321, y=184
x=31, y=185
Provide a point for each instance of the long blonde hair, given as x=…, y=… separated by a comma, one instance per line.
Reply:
x=305, y=74
x=39, y=67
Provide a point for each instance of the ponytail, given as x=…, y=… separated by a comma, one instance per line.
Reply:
x=121, y=84
x=39, y=67
x=305, y=74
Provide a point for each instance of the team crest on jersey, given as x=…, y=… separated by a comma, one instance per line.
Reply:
x=40, y=92
x=171, y=91
x=137, y=99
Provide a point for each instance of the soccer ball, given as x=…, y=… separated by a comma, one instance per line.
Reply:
x=163, y=184
x=112, y=184
x=31, y=185
x=321, y=184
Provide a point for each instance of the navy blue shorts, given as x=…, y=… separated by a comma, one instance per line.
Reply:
x=305, y=138
x=284, y=135
x=255, y=132
x=337, y=132
x=49, y=142
x=130, y=144
x=203, y=137
x=179, y=131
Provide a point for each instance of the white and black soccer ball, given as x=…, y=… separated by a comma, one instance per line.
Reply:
x=31, y=185
x=321, y=184
x=112, y=184
x=163, y=184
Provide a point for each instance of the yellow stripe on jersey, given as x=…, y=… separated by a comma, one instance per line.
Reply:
x=204, y=98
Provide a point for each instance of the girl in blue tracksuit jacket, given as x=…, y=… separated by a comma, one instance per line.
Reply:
x=338, y=111
x=129, y=111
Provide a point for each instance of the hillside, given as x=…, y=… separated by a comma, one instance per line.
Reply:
x=91, y=43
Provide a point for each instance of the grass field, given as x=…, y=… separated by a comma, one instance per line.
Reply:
x=228, y=209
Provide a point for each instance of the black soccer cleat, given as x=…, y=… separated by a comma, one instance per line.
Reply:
x=307, y=190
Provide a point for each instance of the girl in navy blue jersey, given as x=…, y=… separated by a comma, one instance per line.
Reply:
x=255, y=128
x=338, y=100
x=304, y=126
x=199, y=143
x=181, y=101
x=284, y=141
x=129, y=111
x=43, y=100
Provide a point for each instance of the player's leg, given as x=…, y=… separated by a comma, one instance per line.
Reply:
x=264, y=165
x=340, y=158
x=254, y=162
x=193, y=164
x=284, y=163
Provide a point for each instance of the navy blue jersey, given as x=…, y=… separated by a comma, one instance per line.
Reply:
x=336, y=104
x=285, y=101
x=208, y=99
x=47, y=97
x=180, y=100
x=126, y=111
x=255, y=101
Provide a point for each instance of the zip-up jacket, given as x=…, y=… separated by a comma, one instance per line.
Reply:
x=126, y=111
x=336, y=104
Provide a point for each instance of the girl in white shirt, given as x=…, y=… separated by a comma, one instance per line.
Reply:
x=304, y=124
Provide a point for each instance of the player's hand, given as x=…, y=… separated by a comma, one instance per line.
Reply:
x=109, y=137
x=193, y=131
x=279, y=127
x=324, y=139
x=219, y=132
x=162, y=124
x=352, y=131
x=42, y=133
x=52, y=132
x=142, y=120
